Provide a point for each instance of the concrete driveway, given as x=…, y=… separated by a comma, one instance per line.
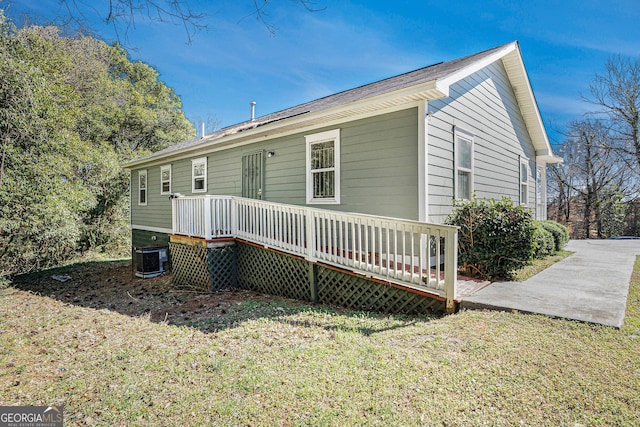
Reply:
x=591, y=285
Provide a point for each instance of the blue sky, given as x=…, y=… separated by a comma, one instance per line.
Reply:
x=350, y=43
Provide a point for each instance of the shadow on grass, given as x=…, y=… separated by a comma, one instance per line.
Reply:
x=111, y=285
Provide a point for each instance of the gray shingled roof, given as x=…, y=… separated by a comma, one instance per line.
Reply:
x=402, y=81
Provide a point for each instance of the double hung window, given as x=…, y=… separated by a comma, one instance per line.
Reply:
x=142, y=187
x=199, y=175
x=464, y=165
x=323, y=167
x=165, y=179
x=524, y=181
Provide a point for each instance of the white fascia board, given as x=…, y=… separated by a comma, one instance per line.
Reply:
x=151, y=229
x=548, y=158
x=444, y=84
x=426, y=91
x=199, y=151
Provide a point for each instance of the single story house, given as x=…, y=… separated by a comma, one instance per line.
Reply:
x=404, y=147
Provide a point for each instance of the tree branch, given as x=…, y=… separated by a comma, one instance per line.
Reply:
x=122, y=14
x=260, y=12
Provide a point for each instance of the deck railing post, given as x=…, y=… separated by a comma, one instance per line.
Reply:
x=174, y=216
x=234, y=221
x=310, y=234
x=451, y=269
x=207, y=217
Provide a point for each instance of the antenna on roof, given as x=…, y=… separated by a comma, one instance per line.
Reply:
x=253, y=110
x=202, y=134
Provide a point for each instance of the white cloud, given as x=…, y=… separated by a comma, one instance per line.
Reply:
x=603, y=42
x=564, y=108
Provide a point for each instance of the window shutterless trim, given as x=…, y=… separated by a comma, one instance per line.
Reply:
x=203, y=177
x=523, y=181
x=459, y=134
x=318, y=138
x=143, y=191
x=163, y=181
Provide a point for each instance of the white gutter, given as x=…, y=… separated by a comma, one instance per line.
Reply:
x=252, y=130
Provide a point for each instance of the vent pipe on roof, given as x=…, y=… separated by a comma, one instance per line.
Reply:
x=253, y=110
x=202, y=134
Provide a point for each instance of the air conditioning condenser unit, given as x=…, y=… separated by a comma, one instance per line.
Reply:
x=151, y=261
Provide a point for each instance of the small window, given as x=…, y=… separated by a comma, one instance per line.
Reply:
x=524, y=181
x=165, y=179
x=323, y=167
x=464, y=165
x=199, y=175
x=142, y=187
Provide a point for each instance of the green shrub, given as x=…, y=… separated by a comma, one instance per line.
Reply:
x=560, y=233
x=495, y=237
x=544, y=242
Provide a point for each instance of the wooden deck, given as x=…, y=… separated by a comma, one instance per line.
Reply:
x=410, y=254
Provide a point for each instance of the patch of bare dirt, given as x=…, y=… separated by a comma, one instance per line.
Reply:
x=113, y=286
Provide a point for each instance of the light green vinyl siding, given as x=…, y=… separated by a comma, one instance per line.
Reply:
x=484, y=105
x=141, y=238
x=379, y=171
x=380, y=165
x=157, y=212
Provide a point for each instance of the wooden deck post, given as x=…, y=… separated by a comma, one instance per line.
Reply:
x=174, y=215
x=451, y=269
x=310, y=237
x=313, y=285
x=207, y=218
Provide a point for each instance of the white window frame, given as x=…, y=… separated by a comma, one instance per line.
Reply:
x=194, y=163
x=144, y=189
x=458, y=135
x=523, y=183
x=162, y=181
x=541, y=194
x=317, y=138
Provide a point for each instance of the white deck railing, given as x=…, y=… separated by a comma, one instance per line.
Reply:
x=411, y=253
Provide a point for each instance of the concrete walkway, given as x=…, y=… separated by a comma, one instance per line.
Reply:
x=591, y=285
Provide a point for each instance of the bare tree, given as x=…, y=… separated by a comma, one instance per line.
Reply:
x=561, y=184
x=617, y=92
x=210, y=124
x=593, y=172
x=261, y=13
x=123, y=15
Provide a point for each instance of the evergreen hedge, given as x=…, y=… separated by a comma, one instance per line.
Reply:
x=544, y=242
x=495, y=237
x=560, y=233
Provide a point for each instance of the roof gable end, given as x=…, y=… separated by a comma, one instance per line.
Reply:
x=514, y=65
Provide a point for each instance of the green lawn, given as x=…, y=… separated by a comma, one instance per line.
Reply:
x=282, y=363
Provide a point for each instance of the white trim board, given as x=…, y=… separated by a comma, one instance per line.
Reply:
x=248, y=138
x=151, y=229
